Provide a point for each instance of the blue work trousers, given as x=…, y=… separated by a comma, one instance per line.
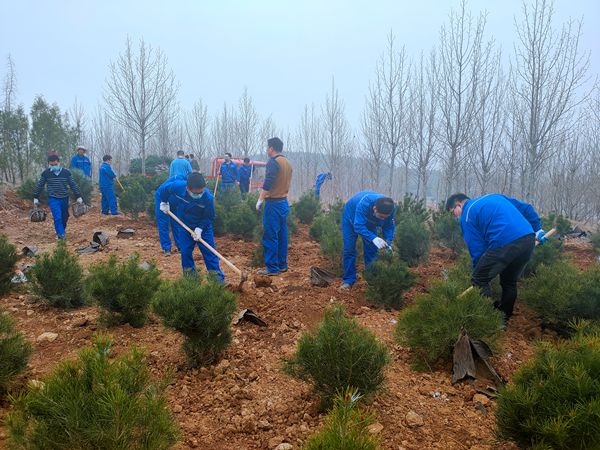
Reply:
x=59, y=207
x=226, y=186
x=369, y=251
x=275, y=235
x=244, y=186
x=163, y=222
x=109, y=200
x=186, y=246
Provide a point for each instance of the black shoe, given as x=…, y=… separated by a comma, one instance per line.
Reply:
x=167, y=252
x=283, y=270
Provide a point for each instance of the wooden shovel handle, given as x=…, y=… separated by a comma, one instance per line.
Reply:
x=203, y=242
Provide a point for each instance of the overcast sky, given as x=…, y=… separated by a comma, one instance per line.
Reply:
x=285, y=52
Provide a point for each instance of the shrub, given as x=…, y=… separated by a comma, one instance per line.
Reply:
x=292, y=222
x=27, y=188
x=8, y=259
x=307, y=207
x=220, y=218
x=412, y=241
x=554, y=399
x=388, y=279
x=447, y=231
x=150, y=212
x=58, y=278
x=228, y=199
x=559, y=293
x=332, y=247
x=431, y=326
x=326, y=220
x=346, y=426
x=546, y=254
x=123, y=290
x=339, y=354
x=319, y=225
x=202, y=312
x=412, y=207
x=561, y=223
x=85, y=186
x=133, y=200
x=14, y=352
x=242, y=220
x=94, y=402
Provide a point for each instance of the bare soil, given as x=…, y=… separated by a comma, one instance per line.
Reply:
x=246, y=401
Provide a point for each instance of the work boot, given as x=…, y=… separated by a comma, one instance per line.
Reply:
x=346, y=286
x=283, y=270
x=267, y=273
x=167, y=252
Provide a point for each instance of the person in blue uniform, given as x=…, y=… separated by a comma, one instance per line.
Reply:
x=500, y=233
x=163, y=221
x=229, y=173
x=180, y=166
x=82, y=162
x=363, y=214
x=321, y=178
x=107, y=187
x=244, y=175
x=194, y=205
x=57, y=180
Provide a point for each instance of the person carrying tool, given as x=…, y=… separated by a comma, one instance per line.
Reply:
x=363, y=214
x=194, y=205
x=82, y=162
x=163, y=221
x=244, y=175
x=180, y=166
x=107, y=187
x=57, y=181
x=500, y=233
x=273, y=194
x=229, y=173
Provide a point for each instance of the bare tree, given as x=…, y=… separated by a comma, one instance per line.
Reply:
x=197, y=123
x=549, y=70
x=423, y=117
x=460, y=48
x=372, y=124
x=308, y=138
x=490, y=122
x=223, y=130
x=246, y=123
x=139, y=92
x=391, y=85
x=9, y=88
x=336, y=135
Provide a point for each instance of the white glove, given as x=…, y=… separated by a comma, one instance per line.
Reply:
x=197, y=234
x=35, y=202
x=79, y=200
x=379, y=243
x=259, y=204
x=164, y=207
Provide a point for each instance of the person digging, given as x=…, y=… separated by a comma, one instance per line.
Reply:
x=500, y=233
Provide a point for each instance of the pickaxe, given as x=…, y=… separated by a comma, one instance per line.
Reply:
x=243, y=275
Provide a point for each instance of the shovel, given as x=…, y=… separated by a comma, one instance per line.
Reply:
x=469, y=289
x=243, y=275
x=119, y=182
